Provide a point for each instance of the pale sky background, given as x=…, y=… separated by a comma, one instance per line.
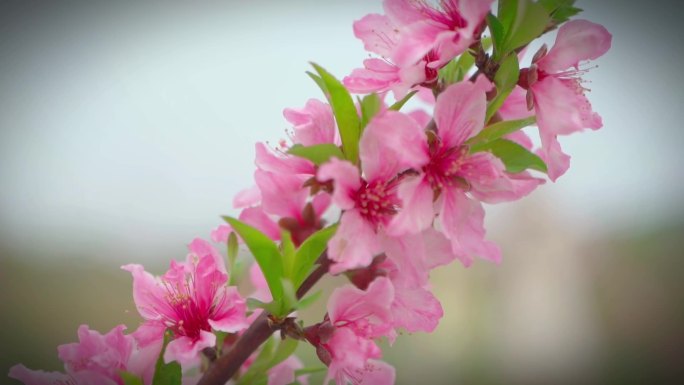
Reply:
x=129, y=127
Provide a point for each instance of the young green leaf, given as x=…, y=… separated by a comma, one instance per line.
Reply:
x=560, y=10
x=232, y=246
x=308, y=300
x=318, y=153
x=284, y=350
x=309, y=251
x=400, y=103
x=287, y=250
x=515, y=157
x=311, y=370
x=166, y=374
x=370, y=106
x=531, y=21
x=266, y=254
x=497, y=31
x=129, y=378
x=498, y=130
x=505, y=79
x=345, y=113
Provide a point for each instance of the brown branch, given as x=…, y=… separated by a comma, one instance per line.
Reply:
x=225, y=367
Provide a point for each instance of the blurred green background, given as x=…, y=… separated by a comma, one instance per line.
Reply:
x=126, y=130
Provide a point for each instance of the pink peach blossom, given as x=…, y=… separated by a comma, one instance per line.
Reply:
x=191, y=299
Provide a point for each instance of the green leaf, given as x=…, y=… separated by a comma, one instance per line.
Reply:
x=220, y=339
x=287, y=250
x=289, y=302
x=516, y=157
x=166, y=374
x=497, y=31
x=285, y=349
x=345, y=113
x=318, y=153
x=232, y=247
x=399, y=104
x=560, y=10
x=129, y=378
x=505, y=79
x=311, y=370
x=370, y=106
x=523, y=21
x=498, y=130
x=308, y=300
x=266, y=254
x=271, y=307
x=309, y=251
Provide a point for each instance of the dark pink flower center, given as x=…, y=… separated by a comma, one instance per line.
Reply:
x=190, y=317
x=377, y=201
x=449, y=16
x=445, y=166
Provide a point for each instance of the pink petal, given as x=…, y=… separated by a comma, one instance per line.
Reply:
x=354, y=244
x=346, y=180
x=247, y=198
x=150, y=332
x=200, y=248
x=284, y=372
x=403, y=11
x=417, y=40
x=515, y=106
x=221, y=233
x=148, y=295
x=421, y=117
x=348, y=305
x=376, y=76
x=265, y=160
x=576, y=41
x=392, y=142
x=377, y=373
x=557, y=162
x=38, y=377
x=562, y=108
x=186, y=351
x=230, y=313
x=462, y=220
x=282, y=195
x=417, y=211
x=313, y=124
x=255, y=217
x=256, y=277
x=491, y=183
x=460, y=111
x=349, y=352
x=378, y=34
x=416, y=309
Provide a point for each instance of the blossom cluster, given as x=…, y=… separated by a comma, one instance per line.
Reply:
x=405, y=191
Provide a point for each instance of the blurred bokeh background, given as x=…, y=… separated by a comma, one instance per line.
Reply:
x=126, y=128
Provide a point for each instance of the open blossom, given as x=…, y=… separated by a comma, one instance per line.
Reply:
x=414, y=40
x=387, y=147
x=313, y=124
x=458, y=178
x=95, y=359
x=190, y=299
x=344, y=341
x=558, y=96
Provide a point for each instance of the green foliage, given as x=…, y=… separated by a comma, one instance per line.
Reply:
x=370, y=106
x=129, y=378
x=232, y=246
x=498, y=130
x=522, y=21
x=269, y=356
x=497, y=31
x=560, y=10
x=317, y=153
x=505, y=79
x=344, y=110
x=400, y=103
x=285, y=267
x=309, y=251
x=515, y=157
x=167, y=374
x=265, y=252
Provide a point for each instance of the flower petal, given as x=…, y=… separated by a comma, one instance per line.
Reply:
x=462, y=220
x=354, y=244
x=346, y=180
x=460, y=111
x=577, y=40
x=392, y=142
x=186, y=351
